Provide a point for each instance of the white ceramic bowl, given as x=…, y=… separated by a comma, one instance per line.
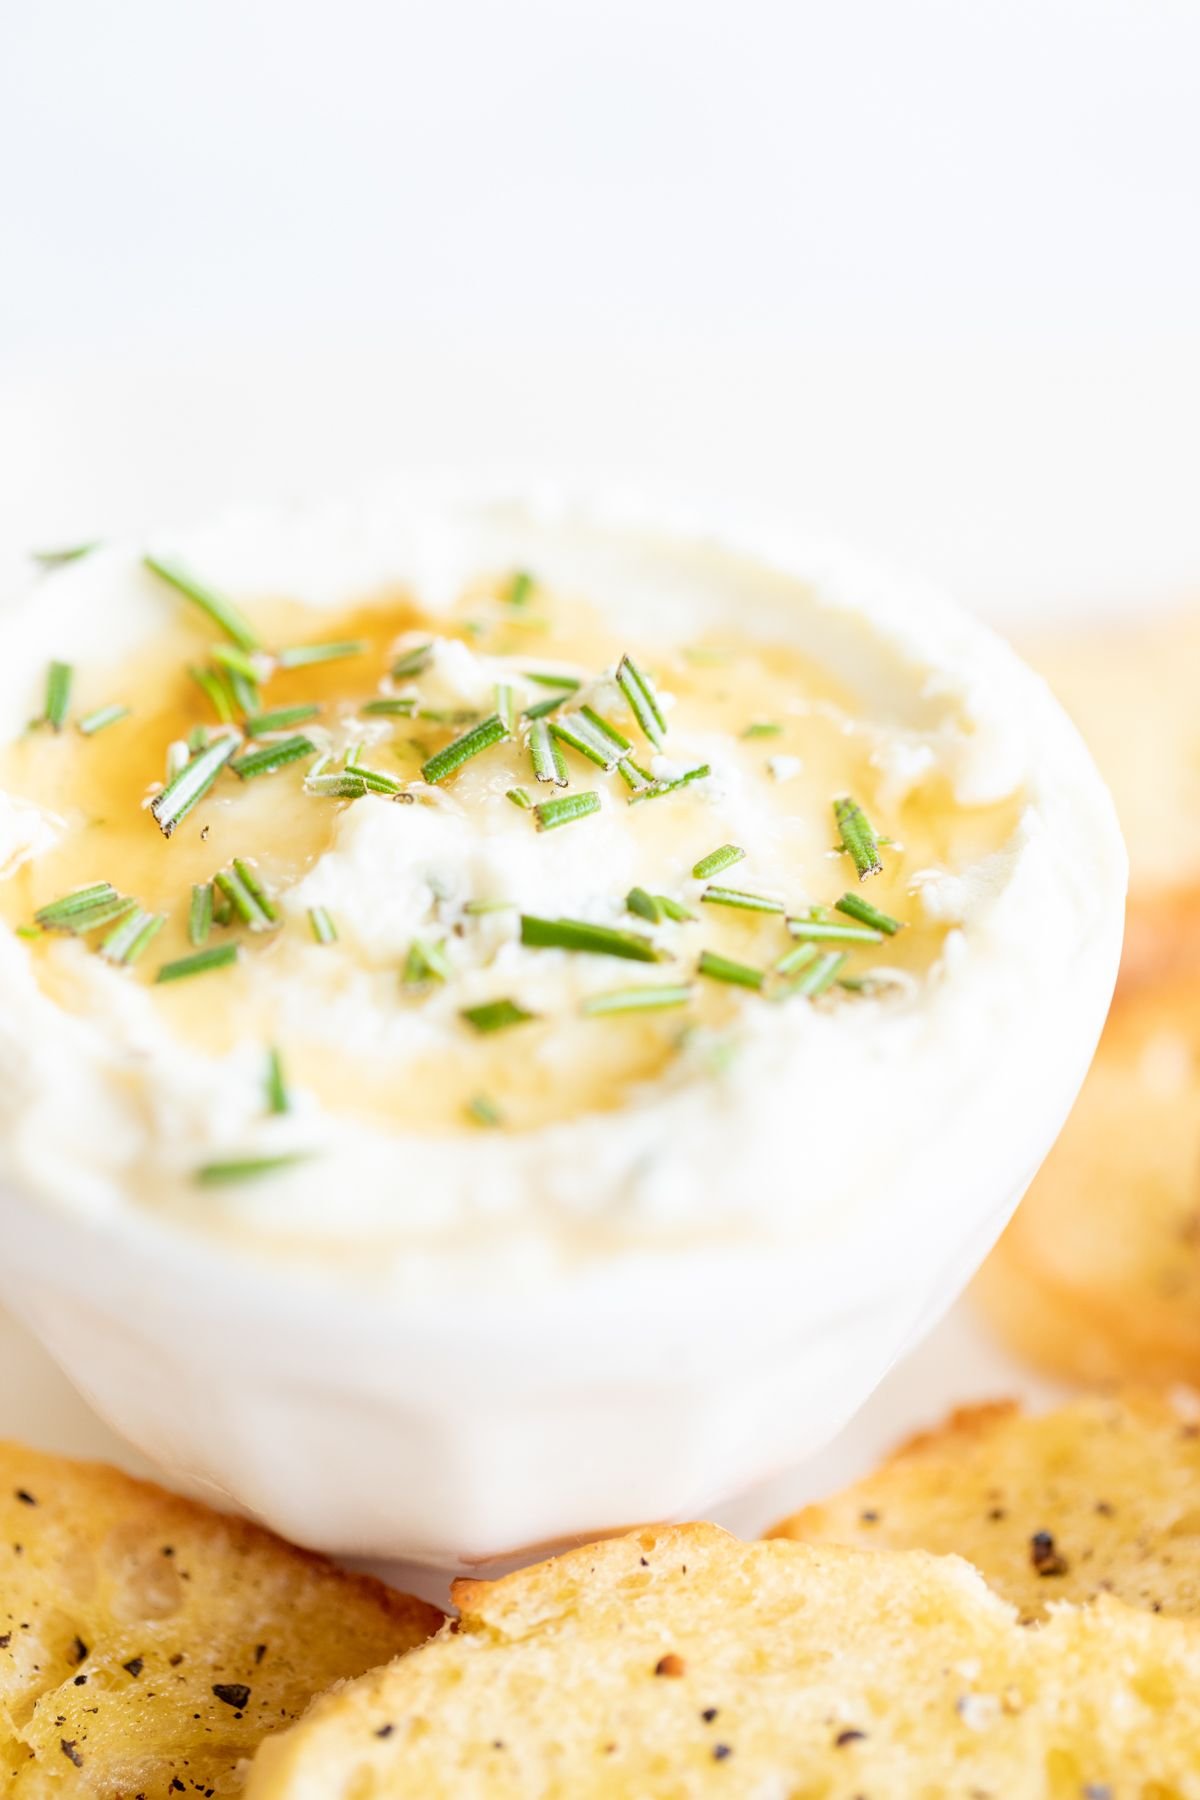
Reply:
x=464, y=1422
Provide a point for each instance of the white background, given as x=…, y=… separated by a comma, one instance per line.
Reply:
x=925, y=272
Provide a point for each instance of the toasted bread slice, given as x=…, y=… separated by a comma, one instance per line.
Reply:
x=680, y=1662
x=1131, y=689
x=1102, y=1496
x=148, y=1644
x=1098, y=1275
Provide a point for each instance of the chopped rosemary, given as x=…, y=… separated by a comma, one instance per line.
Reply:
x=248, y=1168
x=818, y=976
x=84, y=910
x=200, y=913
x=656, y=788
x=544, y=753
x=520, y=588
x=191, y=784
x=281, y=718
x=506, y=707
x=323, y=927
x=675, y=909
x=723, y=968
x=541, y=709
x=550, y=814
x=520, y=797
x=825, y=930
x=217, y=956
x=477, y=908
x=58, y=694
x=237, y=661
x=858, y=839
x=391, y=706
x=246, y=894
x=495, y=1015
x=579, y=736
x=197, y=739
x=484, y=1111
x=278, y=1100
x=580, y=934
x=413, y=662
x=213, y=687
x=714, y=895
x=481, y=737
x=273, y=756
x=131, y=935
x=55, y=559
x=638, y=901
x=716, y=860
x=795, y=959
x=550, y=678
x=303, y=656
x=221, y=611
x=426, y=962
x=96, y=721
x=245, y=692
x=637, y=999
x=337, y=786
x=642, y=699
x=856, y=908
x=761, y=728
x=605, y=730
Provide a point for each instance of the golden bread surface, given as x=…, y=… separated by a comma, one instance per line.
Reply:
x=148, y=1644
x=1098, y=1275
x=1100, y=1496
x=680, y=1662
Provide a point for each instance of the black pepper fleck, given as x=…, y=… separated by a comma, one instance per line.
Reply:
x=6, y=1640
x=709, y=1714
x=67, y=1746
x=231, y=1693
x=25, y=1497
x=850, y=1736
x=869, y=1517
x=720, y=1752
x=134, y=1666
x=80, y=1681
x=1045, y=1556
x=177, y=1786
x=79, y=1650
x=260, y=1650
x=385, y=1731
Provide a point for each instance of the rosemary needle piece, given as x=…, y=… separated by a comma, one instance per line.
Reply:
x=323, y=927
x=246, y=894
x=714, y=895
x=716, y=860
x=191, y=784
x=390, y=706
x=277, y=1094
x=858, y=839
x=55, y=559
x=213, y=687
x=762, y=728
x=520, y=588
x=58, y=694
x=866, y=914
x=281, y=718
x=549, y=678
x=637, y=999
x=723, y=968
x=675, y=909
x=818, y=930
x=130, y=935
x=341, y=785
x=303, y=656
x=542, y=708
x=579, y=934
x=550, y=814
x=222, y=612
x=426, y=962
x=247, y=1168
x=484, y=1112
x=481, y=737
x=495, y=1015
x=818, y=976
x=578, y=735
x=273, y=756
x=640, y=694
x=792, y=961
x=506, y=706
x=520, y=797
x=644, y=904
x=200, y=914
x=58, y=913
x=96, y=721
x=656, y=788
x=413, y=662
x=217, y=956
x=544, y=753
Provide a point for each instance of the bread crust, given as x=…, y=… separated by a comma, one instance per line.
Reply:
x=147, y=1641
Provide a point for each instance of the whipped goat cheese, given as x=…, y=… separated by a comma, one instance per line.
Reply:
x=380, y=885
